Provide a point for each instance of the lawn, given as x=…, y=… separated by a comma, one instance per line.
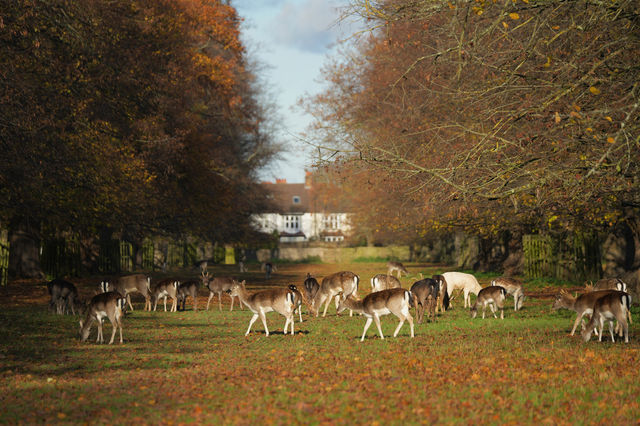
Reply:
x=199, y=367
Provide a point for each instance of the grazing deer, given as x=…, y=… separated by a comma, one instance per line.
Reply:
x=442, y=303
x=582, y=305
x=461, y=281
x=493, y=296
x=609, y=284
x=281, y=300
x=167, y=287
x=311, y=286
x=64, y=295
x=341, y=284
x=131, y=283
x=218, y=285
x=394, y=301
x=383, y=282
x=396, y=267
x=513, y=287
x=425, y=295
x=297, y=304
x=188, y=288
x=110, y=305
x=613, y=306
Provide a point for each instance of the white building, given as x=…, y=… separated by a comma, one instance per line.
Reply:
x=299, y=216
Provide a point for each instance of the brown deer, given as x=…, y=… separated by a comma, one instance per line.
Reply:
x=582, y=305
x=185, y=289
x=425, y=296
x=492, y=296
x=396, y=267
x=442, y=303
x=64, y=295
x=129, y=284
x=383, y=282
x=280, y=300
x=163, y=289
x=513, y=287
x=110, y=305
x=341, y=284
x=297, y=304
x=610, y=307
x=218, y=285
x=394, y=301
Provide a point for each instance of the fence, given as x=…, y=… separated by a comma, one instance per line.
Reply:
x=4, y=257
x=576, y=257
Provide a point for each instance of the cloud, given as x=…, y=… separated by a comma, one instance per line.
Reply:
x=308, y=25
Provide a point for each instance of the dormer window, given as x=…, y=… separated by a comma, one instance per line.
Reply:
x=296, y=199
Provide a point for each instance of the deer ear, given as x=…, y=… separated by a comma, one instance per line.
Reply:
x=243, y=283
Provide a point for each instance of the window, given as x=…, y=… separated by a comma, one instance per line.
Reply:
x=331, y=221
x=292, y=223
x=296, y=199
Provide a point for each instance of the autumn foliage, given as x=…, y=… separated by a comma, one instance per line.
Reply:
x=138, y=116
x=486, y=116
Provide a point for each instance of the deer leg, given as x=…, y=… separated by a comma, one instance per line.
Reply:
x=129, y=301
x=253, y=319
x=209, y=301
x=326, y=306
x=366, y=327
x=220, y=301
x=114, y=326
x=231, y=309
x=377, y=320
x=99, y=339
x=264, y=321
x=575, y=324
x=420, y=312
x=195, y=301
x=401, y=317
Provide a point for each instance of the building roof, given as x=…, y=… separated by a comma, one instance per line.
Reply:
x=289, y=197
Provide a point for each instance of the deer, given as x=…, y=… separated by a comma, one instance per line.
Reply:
x=185, y=289
x=64, y=295
x=394, y=301
x=461, y=281
x=513, y=287
x=442, y=303
x=268, y=268
x=425, y=295
x=341, y=284
x=109, y=304
x=281, y=300
x=218, y=285
x=131, y=283
x=610, y=284
x=581, y=305
x=396, y=267
x=311, y=286
x=610, y=307
x=384, y=281
x=167, y=287
x=492, y=296
x=297, y=304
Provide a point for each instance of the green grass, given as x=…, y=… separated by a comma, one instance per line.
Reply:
x=199, y=367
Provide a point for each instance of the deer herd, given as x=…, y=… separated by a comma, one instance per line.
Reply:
x=607, y=300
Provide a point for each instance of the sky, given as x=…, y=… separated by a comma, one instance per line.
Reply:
x=292, y=39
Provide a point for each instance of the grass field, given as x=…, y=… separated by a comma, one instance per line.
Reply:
x=199, y=367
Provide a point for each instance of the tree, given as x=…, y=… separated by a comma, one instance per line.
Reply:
x=137, y=116
x=498, y=115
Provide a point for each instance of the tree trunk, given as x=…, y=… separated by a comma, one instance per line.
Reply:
x=24, y=255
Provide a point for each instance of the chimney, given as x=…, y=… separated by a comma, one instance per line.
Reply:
x=281, y=181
